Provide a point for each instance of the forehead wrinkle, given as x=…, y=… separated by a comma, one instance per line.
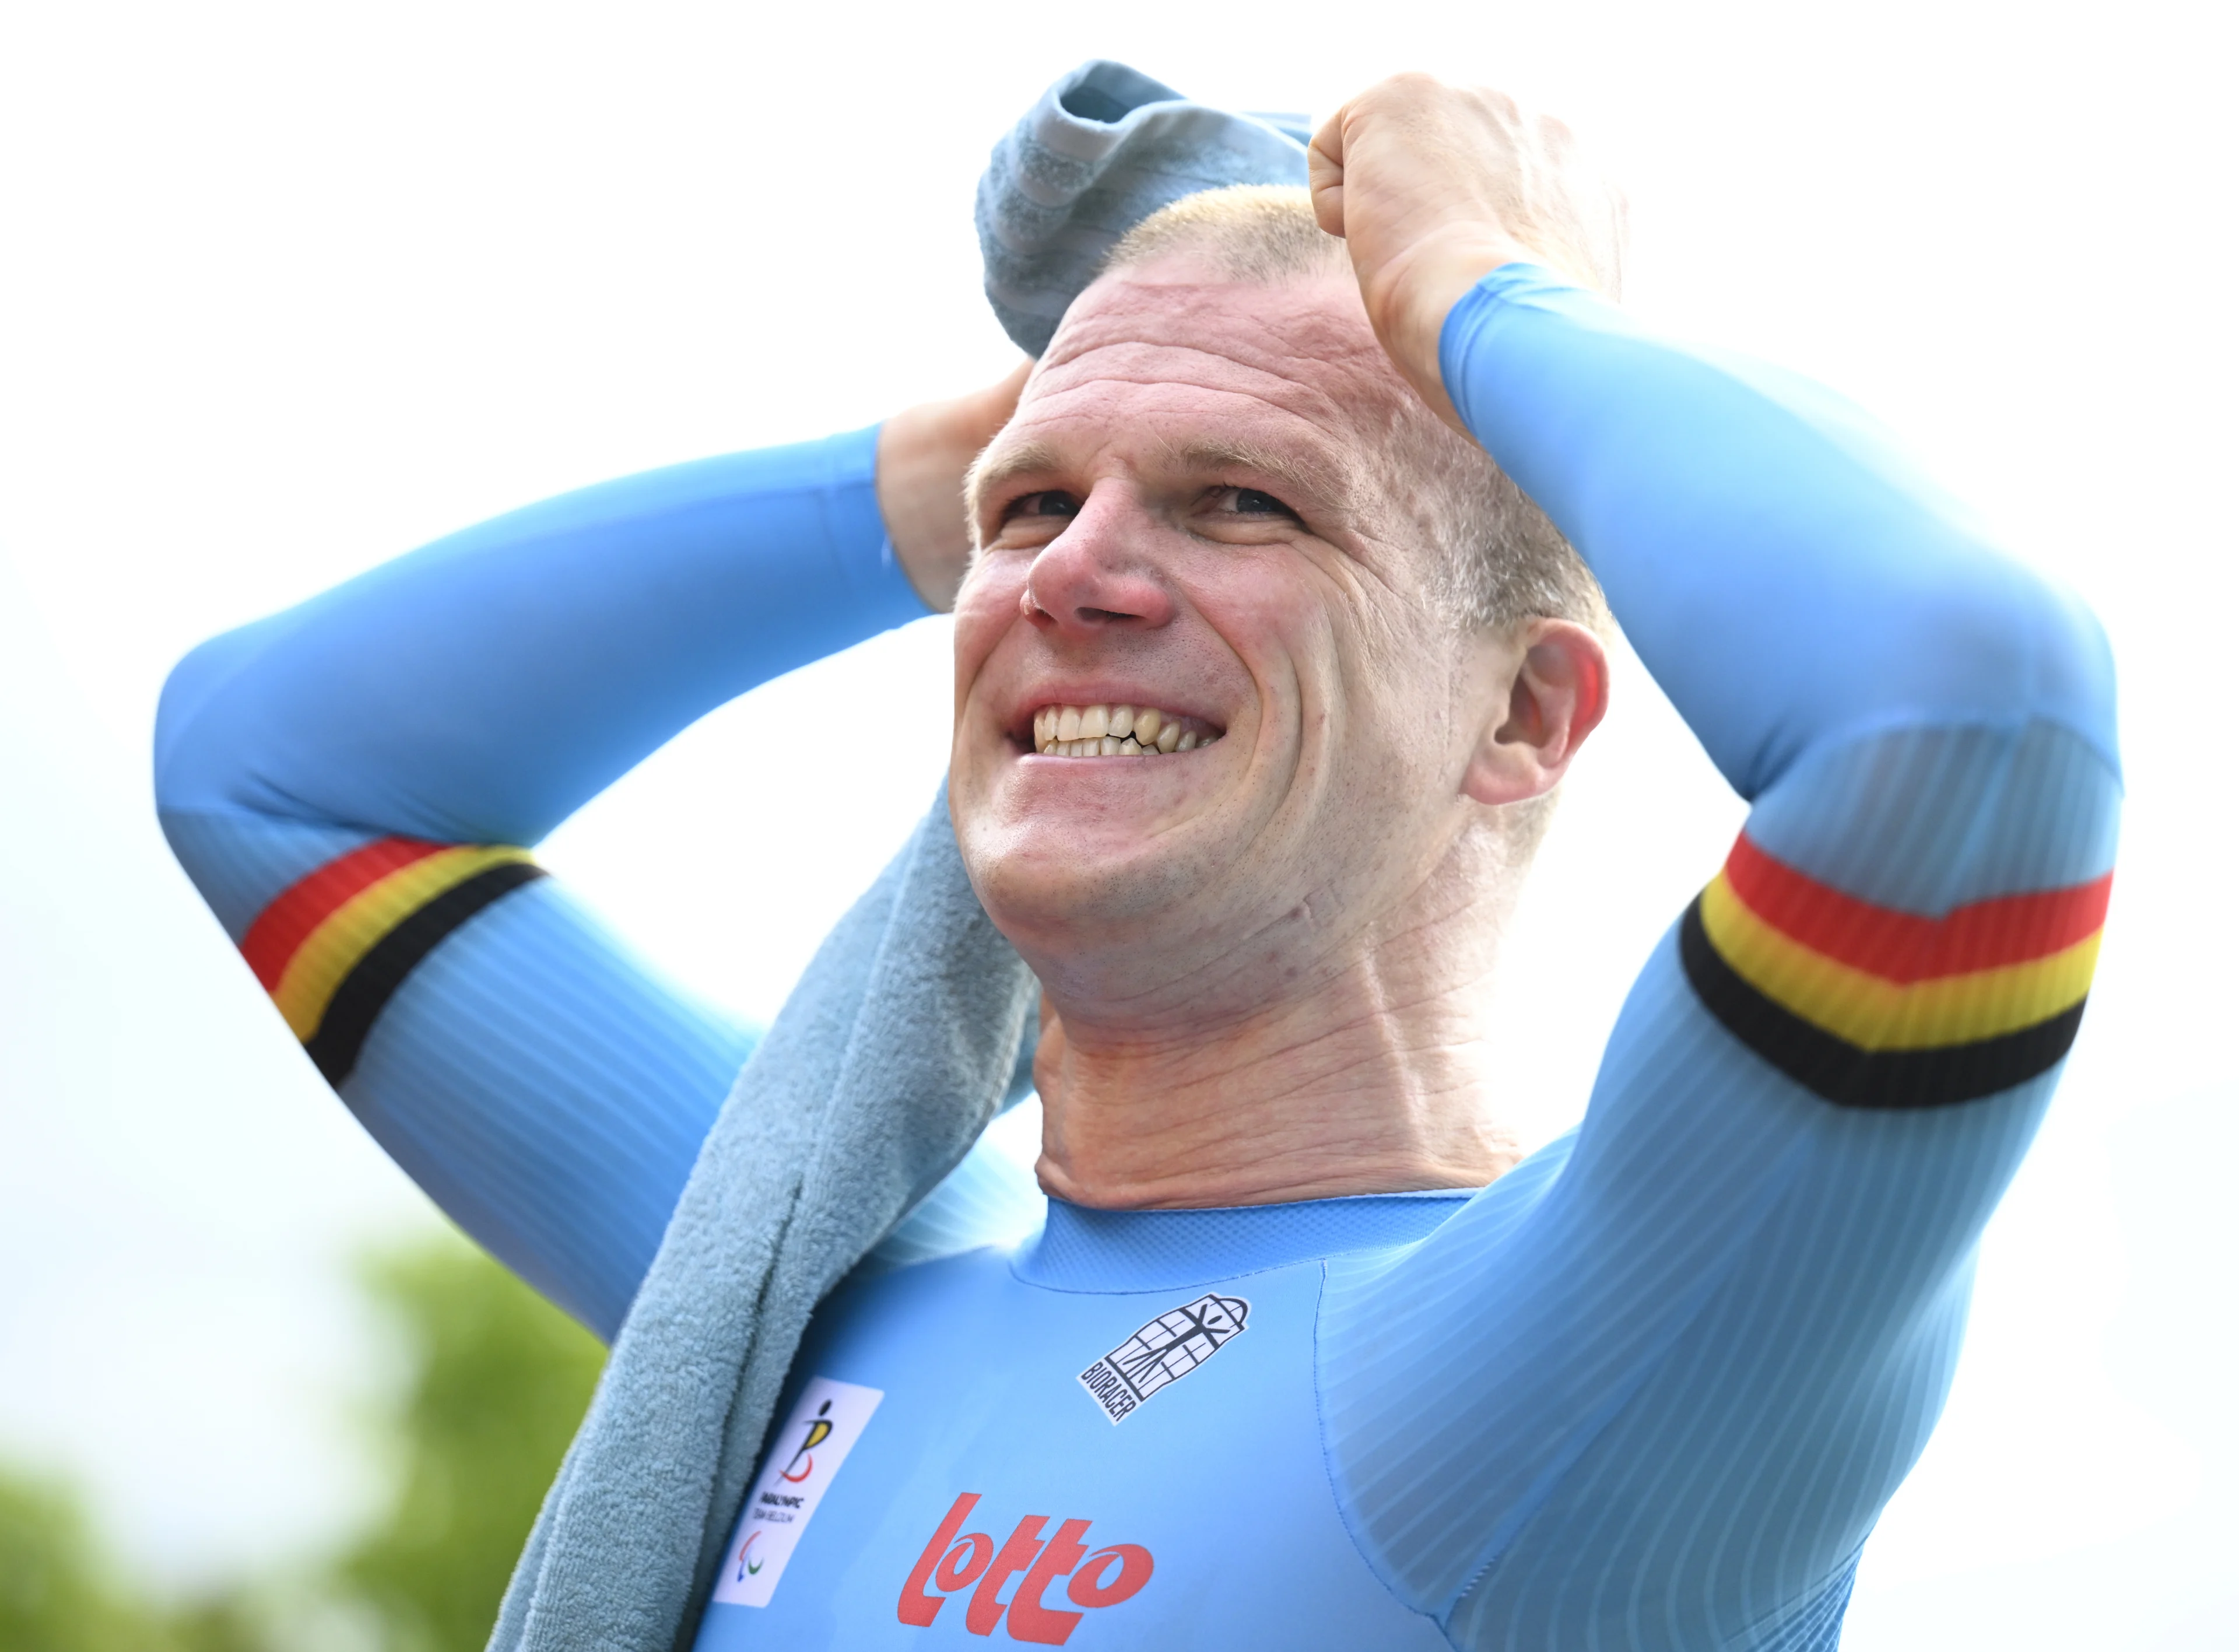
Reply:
x=1303, y=375
x=1328, y=315
x=1333, y=480
x=1335, y=418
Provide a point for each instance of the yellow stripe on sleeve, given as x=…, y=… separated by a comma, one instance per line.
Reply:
x=1874, y=1013
x=307, y=984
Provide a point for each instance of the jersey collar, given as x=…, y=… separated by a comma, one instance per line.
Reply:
x=1081, y=1249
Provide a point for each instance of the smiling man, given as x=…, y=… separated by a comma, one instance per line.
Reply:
x=1267, y=670
x=1220, y=511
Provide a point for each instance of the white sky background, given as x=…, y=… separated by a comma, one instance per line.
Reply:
x=287, y=289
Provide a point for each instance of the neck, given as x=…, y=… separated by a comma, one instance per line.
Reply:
x=1374, y=1078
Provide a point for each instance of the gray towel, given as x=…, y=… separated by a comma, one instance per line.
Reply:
x=880, y=1073
x=1104, y=149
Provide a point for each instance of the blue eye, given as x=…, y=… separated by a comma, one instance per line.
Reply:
x=1052, y=503
x=1252, y=501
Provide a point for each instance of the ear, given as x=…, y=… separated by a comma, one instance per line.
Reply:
x=1550, y=688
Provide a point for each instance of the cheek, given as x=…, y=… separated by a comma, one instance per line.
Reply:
x=1371, y=681
x=1269, y=614
x=987, y=608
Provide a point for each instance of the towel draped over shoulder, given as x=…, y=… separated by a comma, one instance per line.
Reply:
x=880, y=1073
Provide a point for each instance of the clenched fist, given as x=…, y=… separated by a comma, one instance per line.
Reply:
x=1432, y=185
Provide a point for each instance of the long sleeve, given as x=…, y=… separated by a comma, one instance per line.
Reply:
x=354, y=785
x=1690, y=1353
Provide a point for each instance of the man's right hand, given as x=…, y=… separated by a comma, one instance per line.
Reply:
x=923, y=454
x=1432, y=185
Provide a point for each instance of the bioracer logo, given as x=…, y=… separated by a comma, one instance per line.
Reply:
x=956, y=1560
x=1165, y=1350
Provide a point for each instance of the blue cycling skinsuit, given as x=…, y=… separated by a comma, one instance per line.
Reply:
x=1649, y=1390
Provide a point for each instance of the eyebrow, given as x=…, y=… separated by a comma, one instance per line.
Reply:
x=1311, y=476
x=994, y=470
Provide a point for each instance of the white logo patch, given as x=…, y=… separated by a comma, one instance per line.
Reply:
x=826, y=1421
x=1165, y=1350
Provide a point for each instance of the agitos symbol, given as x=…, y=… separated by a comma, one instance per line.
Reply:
x=957, y=1560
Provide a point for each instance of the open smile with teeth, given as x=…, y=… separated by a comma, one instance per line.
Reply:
x=1117, y=732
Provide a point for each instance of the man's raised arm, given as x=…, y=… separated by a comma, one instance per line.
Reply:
x=1707, y=1342
x=1780, y=568
x=354, y=784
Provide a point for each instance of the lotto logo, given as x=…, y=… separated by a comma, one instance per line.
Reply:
x=957, y=1560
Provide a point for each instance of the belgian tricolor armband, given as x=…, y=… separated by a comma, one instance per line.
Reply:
x=333, y=946
x=1869, y=1007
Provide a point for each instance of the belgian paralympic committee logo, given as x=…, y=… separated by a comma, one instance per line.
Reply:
x=956, y=1560
x=822, y=1427
x=1164, y=1351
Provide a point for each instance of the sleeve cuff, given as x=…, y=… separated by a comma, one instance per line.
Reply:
x=1476, y=311
x=876, y=577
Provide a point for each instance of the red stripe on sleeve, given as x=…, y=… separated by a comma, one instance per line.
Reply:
x=303, y=905
x=1901, y=946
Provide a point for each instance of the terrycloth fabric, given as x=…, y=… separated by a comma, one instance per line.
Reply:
x=877, y=1076
x=1104, y=149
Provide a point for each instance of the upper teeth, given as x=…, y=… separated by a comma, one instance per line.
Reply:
x=1115, y=731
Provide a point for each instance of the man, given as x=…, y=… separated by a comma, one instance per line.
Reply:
x=1302, y=1354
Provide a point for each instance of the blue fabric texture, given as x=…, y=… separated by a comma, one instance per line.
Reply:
x=458, y=693
x=1105, y=147
x=873, y=1082
x=1079, y=1249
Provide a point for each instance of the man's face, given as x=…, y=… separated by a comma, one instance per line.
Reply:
x=1195, y=512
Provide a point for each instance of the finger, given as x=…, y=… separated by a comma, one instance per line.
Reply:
x=1325, y=174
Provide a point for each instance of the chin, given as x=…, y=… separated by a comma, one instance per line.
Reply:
x=1081, y=857
x=1071, y=881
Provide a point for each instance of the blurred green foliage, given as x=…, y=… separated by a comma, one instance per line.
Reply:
x=62, y=1590
x=497, y=1379
x=491, y=1382
x=59, y=1591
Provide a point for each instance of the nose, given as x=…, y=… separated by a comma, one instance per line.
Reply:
x=1096, y=575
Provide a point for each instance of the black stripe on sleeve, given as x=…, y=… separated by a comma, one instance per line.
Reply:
x=1839, y=1071
x=375, y=977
